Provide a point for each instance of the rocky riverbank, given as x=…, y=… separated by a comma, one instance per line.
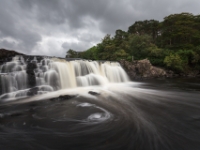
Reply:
x=143, y=69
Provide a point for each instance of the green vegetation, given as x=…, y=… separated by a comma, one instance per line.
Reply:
x=173, y=43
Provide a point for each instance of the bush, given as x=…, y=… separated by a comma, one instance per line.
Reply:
x=174, y=62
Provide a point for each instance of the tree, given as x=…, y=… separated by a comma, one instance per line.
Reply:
x=119, y=37
x=179, y=31
x=174, y=62
x=139, y=45
x=149, y=27
x=71, y=54
x=106, y=48
x=91, y=53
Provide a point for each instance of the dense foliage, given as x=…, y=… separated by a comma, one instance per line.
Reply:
x=173, y=43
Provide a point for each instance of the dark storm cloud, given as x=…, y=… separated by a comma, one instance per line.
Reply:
x=13, y=25
x=47, y=11
x=84, y=40
x=54, y=26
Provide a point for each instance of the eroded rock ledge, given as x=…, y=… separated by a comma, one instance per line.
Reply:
x=144, y=69
x=6, y=55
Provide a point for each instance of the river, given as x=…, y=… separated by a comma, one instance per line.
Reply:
x=159, y=114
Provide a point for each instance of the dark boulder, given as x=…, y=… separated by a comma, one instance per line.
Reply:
x=31, y=74
x=66, y=97
x=0, y=86
x=63, y=97
x=93, y=93
x=33, y=91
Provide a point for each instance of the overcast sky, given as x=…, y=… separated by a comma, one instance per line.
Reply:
x=51, y=27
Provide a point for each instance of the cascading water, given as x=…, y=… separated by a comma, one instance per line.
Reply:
x=13, y=76
x=21, y=78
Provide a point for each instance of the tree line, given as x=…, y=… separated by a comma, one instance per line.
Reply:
x=173, y=43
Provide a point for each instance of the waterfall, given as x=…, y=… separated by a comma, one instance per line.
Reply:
x=30, y=76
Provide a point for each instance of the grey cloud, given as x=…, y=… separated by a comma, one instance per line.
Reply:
x=11, y=26
x=30, y=38
x=87, y=21
x=53, y=11
x=80, y=46
x=73, y=12
x=7, y=44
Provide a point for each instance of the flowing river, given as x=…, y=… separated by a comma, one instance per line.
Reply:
x=52, y=104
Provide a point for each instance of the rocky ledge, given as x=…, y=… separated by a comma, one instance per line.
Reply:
x=144, y=69
x=6, y=55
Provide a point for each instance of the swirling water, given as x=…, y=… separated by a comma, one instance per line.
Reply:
x=150, y=115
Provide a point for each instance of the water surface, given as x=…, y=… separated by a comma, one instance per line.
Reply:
x=148, y=115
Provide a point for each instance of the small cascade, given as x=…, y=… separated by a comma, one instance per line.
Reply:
x=26, y=77
x=114, y=72
x=13, y=75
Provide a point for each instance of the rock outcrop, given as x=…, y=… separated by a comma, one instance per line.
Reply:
x=142, y=69
x=6, y=54
x=31, y=74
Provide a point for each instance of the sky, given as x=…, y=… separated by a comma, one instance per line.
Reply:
x=52, y=27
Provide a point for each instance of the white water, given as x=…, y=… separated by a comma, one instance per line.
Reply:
x=56, y=74
x=14, y=76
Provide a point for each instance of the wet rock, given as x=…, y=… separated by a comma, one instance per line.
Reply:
x=30, y=67
x=31, y=74
x=63, y=97
x=66, y=97
x=93, y=93
x=6, y=55
x=193, y=73
x=33, y=91
x=0, y=86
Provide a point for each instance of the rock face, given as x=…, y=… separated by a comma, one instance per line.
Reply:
x=142, y=69
x=6, y=55
x=31, y=75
